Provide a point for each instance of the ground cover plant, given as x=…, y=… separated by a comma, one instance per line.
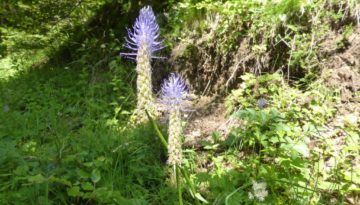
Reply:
x=227, y=102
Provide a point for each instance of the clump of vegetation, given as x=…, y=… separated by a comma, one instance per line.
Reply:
x=228, y=38
x=287, y=136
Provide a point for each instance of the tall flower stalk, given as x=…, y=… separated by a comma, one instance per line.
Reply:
x=173, y=96
x=143, y=42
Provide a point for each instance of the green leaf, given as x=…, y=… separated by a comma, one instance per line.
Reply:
x=99, y=161
x=87, y=186
x=95, y=176
x=59, y=180
x=325, y=185
x=21, y=170
x=37, y=179
x=74, y=191
x=83, y=174
x=125, y=112
x=201, y=198
x=302, y=148
x=353, y=177
x=292, y=27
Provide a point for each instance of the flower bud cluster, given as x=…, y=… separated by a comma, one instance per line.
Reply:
x=143, y=42
x=259, y=191
x=173, y=96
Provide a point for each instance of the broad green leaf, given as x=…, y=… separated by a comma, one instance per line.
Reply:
x=87, y=186
x=74, y=191
x=302, y=148
x=95, y=176
x=83, y=174
x=59, y=180
x=37, y=179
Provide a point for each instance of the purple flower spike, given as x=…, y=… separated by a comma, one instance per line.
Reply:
x=174, y=91
x=144, y=35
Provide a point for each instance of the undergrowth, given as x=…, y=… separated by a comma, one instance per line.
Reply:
x=262, y=36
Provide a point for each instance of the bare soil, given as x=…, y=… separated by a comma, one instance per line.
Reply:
x=341, y=67
x=211, y=75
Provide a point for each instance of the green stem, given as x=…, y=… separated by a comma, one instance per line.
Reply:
x=292, y=184
x=188, y=181
x=158, y=132
x=178, y=182
x=232, y=193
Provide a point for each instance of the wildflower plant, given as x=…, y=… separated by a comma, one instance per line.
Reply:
x=262, y=103
x=143, y=41
x=174, y=96
x=259, y=191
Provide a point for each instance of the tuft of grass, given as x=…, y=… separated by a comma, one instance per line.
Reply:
x=60, y=142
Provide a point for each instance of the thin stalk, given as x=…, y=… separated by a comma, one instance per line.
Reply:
x=158, y=132
x=178, y=182
x=191, y=185
x=232, y=193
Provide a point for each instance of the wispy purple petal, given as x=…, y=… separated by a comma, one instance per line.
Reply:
x=145, y=34
x=174, y=91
